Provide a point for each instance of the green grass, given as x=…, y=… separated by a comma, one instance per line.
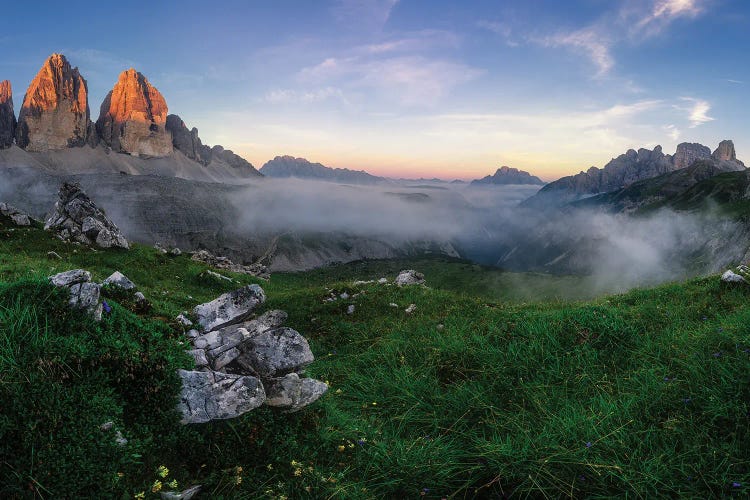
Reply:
x=503, y=399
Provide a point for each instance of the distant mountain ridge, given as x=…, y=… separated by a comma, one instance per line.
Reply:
x=631, y=167
x=508, y=175
x=300, y=168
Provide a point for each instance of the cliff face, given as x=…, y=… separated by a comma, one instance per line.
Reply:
x=288, y=166
x=133, y=118
x=55, y=110
x=7, y=116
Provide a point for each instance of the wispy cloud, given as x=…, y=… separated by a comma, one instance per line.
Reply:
x=737, y=82
x=418, y=41
x=664, y=12
x=410, y=80
x=697, y=111
x=591, y=42
x=289, y=96
x=368, y=14
x=672, y=132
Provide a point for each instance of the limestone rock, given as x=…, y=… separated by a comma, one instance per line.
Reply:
x=83, y=294
x=210, y=395
x=119, y=280
x=731, y=277
x=229, y=308
x=187, y=141
x=133, y=118
x=275, y=353
x=76, y=218
x=7, y=116
x=187, y=494
x=258, y=270
x=16, y=216
x=55, y=110
x=409, y=277
x=69, y=278
x=725, y=151
x=292, y=393
x=689, y=153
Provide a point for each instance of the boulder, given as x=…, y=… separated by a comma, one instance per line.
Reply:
x=409, y=277
x=16, y=216
x=119, y=280
x=55, y=110
x=76, y=218
x=232, y=307
x=209, y=395
x=83, y=294
x=275, y=353
x=292, y=393
x=70, y=278
x=7, y=116
x=730, y=277
x=133, y=118
x=187, y=494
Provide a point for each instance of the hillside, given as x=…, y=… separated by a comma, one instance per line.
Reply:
x=643, y=394
x=288, y=166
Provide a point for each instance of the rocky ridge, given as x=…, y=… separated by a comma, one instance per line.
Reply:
x=628, y=168
x=289, y=166
x=55, y=110
x=507, y=175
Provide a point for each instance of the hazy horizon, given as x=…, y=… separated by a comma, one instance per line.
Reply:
x=408, y=90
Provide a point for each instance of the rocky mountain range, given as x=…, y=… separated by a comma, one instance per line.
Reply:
x=631, y=167
x=507, y=175
x=55, y=118
x=289, y=166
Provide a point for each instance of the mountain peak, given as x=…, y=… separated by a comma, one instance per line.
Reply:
x=133, y=117
x=289, y=166
x=508, y=175
x=7, y=116
x=725, y=151
x=55, y=110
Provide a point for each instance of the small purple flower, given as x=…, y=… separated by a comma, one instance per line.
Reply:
x=581, y=477
x=686, y=400
x=667, y=379
x=106, y=307
x=735, y=484
x=717, y=354
x=361, y=442
x=589, y=444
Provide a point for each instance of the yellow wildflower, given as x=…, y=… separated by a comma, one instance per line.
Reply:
x=120, y=474
x=295, y=463
x=140, y=495
x=156, y=486
x=298, y=472
x=238, y=470
x=163, y=471
x=238, y=480
x=173, y=484
x=269, y=467
x=342, y=447
x=374, y=403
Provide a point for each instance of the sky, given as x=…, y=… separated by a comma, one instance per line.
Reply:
x=415, y=88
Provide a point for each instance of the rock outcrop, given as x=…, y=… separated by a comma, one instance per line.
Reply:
x=55, y=110
x=688, y=153
x=409, y=277
x=133, y=118
x=726, y=153
x=16, y=216
x=508, y=175
x=288, y=166
x=7, y=116
x=258, y=270
x=83, y=293
x=187, y=141
x=242, y=363
x=76, y=218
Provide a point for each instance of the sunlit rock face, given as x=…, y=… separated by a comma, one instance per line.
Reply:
x=55, y=110
x=688, y=153
x=7, y=116
x=133, y=118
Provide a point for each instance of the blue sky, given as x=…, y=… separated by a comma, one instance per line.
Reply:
x=415, y=87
